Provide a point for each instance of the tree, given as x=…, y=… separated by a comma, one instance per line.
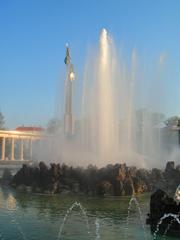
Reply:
x=2, y=121
x=173, y=121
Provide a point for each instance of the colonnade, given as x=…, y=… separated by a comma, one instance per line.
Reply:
x=12, y=153
x=11, y=138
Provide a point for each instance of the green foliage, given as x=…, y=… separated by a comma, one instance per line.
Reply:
x=173, y=121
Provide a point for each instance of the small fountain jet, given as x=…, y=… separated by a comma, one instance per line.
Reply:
x=70, y=76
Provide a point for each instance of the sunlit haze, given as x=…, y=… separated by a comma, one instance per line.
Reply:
x=32, y=46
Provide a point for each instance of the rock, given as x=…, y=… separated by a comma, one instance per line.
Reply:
x=172, y=177
x=128, y=187
x=119, y=188
x=53, y=187
x=118, y=179
x=132, y=171
x=65, y=192
x=105, y=188
x=55, y=172
x=122, y=172
x=43, y=168
x=48, y=192
x=156, y=174
x=178, y=168
x=28, y=189
x=37, y=189
x=139, y=185
x=26, y=175
x=76, y=187
x=21, y=188
x=170, y=167
x=161, y=204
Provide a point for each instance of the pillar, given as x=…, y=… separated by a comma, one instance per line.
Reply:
x=68, y=116
x=12, y=149
x=3, y=148
x=21, y=150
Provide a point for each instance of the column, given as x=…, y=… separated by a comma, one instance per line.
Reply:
x=3, y=148
x=30, y=148
x=21, y=150
x=12, y=149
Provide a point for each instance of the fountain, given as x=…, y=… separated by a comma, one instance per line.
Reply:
x=109, y=128
x=164, y=215
x=76, y=204
x=97, y=229
x=134, y=199
x=174, y=217
x=102, y=119
x=97, y=222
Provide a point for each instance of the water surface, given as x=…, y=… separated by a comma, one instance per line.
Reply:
x=39, y=217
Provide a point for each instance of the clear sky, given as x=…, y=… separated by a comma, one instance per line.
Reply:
x=32, y=47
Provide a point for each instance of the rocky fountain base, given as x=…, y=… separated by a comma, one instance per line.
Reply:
x=164, y=217
x=115, y=180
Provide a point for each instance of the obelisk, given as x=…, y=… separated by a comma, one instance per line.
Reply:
x=68, y=115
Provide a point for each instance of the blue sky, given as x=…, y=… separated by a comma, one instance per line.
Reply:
x=33, y=36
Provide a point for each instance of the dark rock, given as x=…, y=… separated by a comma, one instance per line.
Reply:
x=55, y=172
x=21, y=188
x=178, y=168
x=128, y=187
x=139, y=185
x=161, y=204
x=76, y=187
x=105, y=188
x=122, y=172
x=26, y=175
x=117, y=179
x=119, y=188
x=40, y=179
x=170, y=167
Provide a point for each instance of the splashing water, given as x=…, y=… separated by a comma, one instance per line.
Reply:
x=134, y=199
x=74, y=205
x=177, y=199
x=168, y=227
x=175, y=218
x=102, y=115
x=97, y=229
x=110, y=129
